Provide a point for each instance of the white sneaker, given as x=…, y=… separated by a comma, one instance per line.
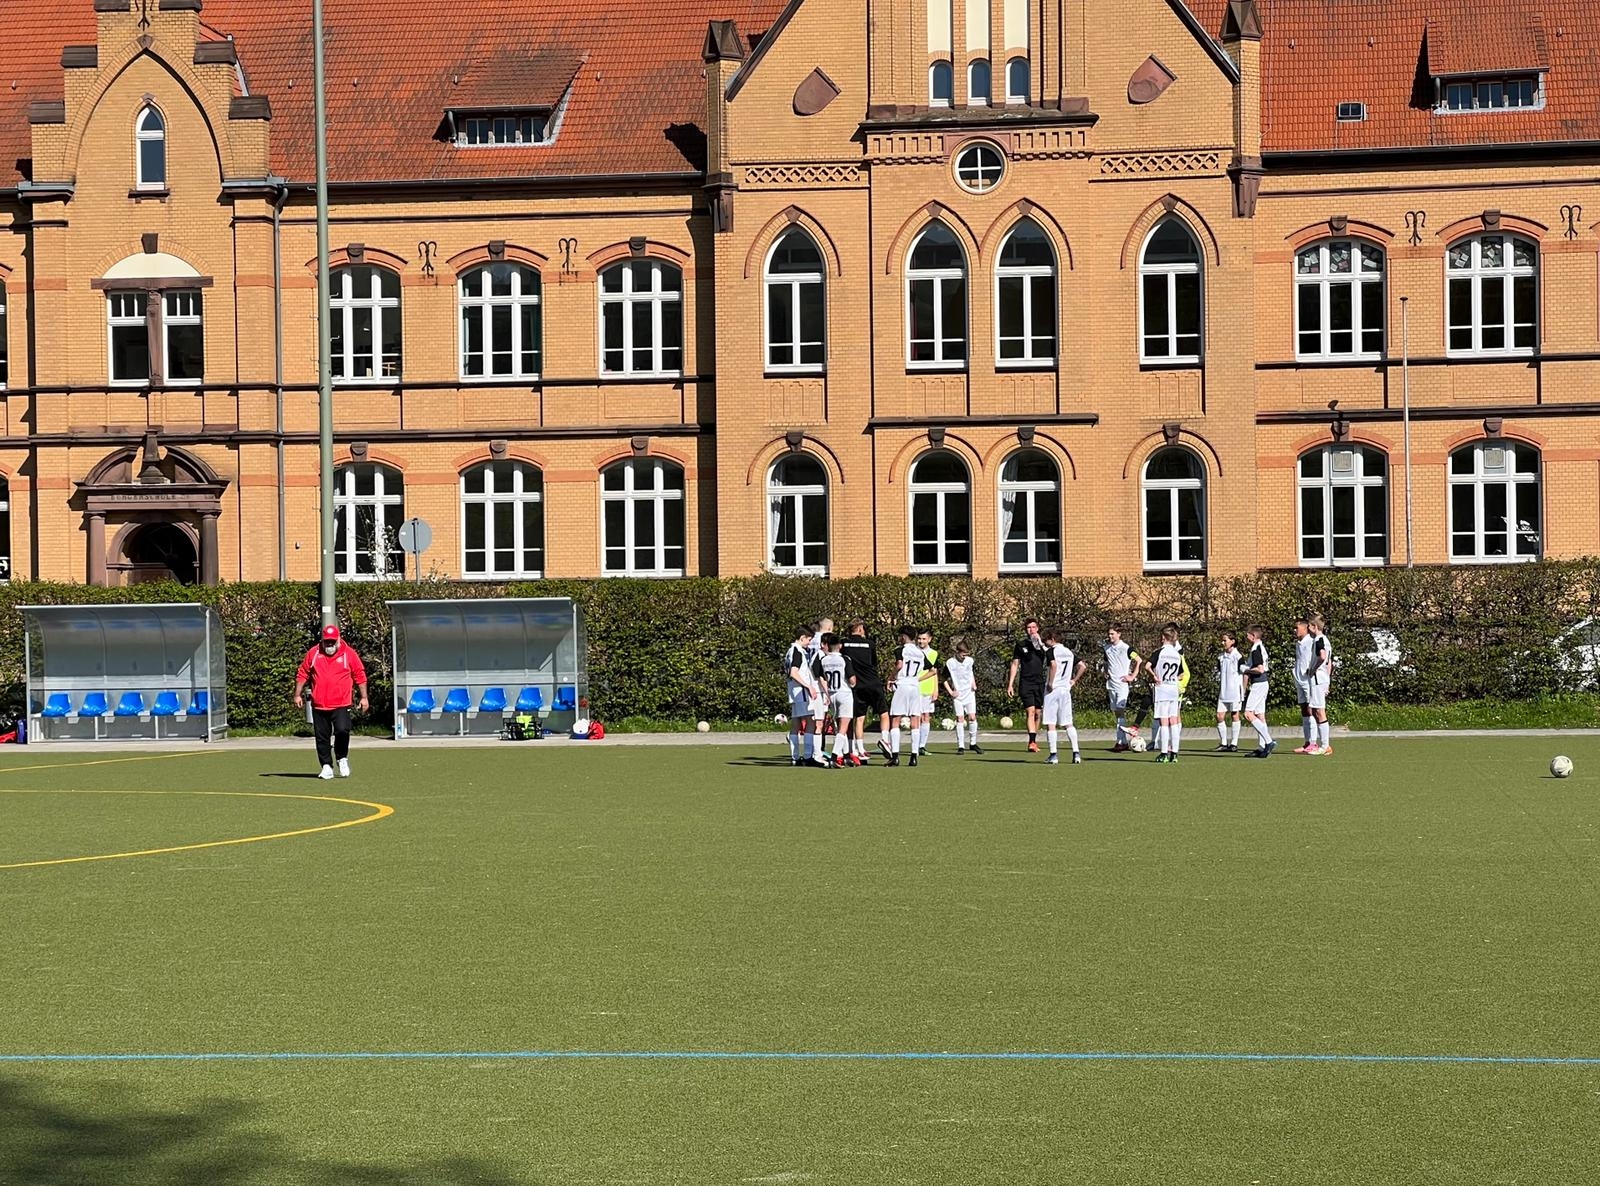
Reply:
x=344, y=767
x=327, y=772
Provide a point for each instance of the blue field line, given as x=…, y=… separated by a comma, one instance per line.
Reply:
x=1044, y=1056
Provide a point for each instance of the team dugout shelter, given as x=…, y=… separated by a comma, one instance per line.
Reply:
x=464, y=667
x=156, y=672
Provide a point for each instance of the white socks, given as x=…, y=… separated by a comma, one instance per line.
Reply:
x=1308, y=728
x=894, y=740
x=1322, y=734
x=1222, y=733
x=1050, y=733
x=794, y=746
x=922, y=735
x=1259, y=724
x=1235, y=741
x=1161, y=738
x=1176, y=733
x=974, y=730
x=1072, y=738
x=841, y=744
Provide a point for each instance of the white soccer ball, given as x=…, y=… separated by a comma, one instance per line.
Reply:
x=947, y=723
x=1561, y=765
x=1006, y=722
x=1137, y=743
x=779, y=719
x=703, y=727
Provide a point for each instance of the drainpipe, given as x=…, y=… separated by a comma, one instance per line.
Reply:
x=278, y=204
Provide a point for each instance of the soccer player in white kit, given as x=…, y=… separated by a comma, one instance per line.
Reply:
x=803, y=696
x=836, y=679
x=1317, y=692
x=1254, y=667
x=963, y=688
x=1312, y=667
x=821, y=630
x=1122, y=668
x=1230, y=693
x=1061, y=675
x=1167, y=671
x=905, y=709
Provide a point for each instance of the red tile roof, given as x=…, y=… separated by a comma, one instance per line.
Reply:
x=1317, y=54
x=395, y=66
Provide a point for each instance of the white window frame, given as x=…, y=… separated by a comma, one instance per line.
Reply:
x=346, y=505
x=1325, y=281
x=344, y=303
x=517, y=496
x=486, y=304
x=1478, y=276
x=938, y=277
x=174, y=298
x=973, y=99
x=491, y=119
x=798, y=495
x=933, y=69
x=142, y=136
x=1358, y=480
x=658, y=299
x=1014, y=96
x=941, y=492
x=1172, y=272
x=631, y=494
x=794, y=281
x=1171, y=487
x=115, y=320
x=978, y=184
x=5, y=536
x=5, y=339
x=1030, y=275
x=1479, y=480
x=1033, y=492
x=1472, y=86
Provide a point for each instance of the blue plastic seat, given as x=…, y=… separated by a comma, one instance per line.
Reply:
x=94, y=705
x=566, y=698
x=131, y=705
x=59, y=705
x=530, y=700
x=166, y=705
x=421, y=701
x=494, y=700
x=458, y=700
x=201, y=704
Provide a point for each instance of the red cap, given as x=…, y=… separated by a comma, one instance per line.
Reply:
x=330, y=634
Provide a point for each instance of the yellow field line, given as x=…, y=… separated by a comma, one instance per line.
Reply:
x=379, y=811
x=102, y=762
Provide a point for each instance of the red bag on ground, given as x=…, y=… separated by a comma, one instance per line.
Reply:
x=597, y=731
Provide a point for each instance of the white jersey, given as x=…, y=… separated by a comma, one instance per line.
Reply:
x=1256, y=658
x=1230, y=682
x=1119, y=663
x=961, y=676
x=1325, y=670
x=833, y=672
x=1064, y=663
x=799, y=657
x=912, y=661
x=1169, y=670
x=1302, y=657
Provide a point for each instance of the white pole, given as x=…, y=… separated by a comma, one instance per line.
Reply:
x=1405, y=411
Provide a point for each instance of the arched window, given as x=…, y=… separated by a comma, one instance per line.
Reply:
x=1493, y=297
x=368, y=508
x=1017, y=80
x=642, y=518
x=796, y=308
x=978, y=83
x=1494, y=503
x=1174, y=511
x=502, y=520
x=1169, y=295
x=797, y=515
x=502, y=325
x=941, y=514
x=150, y=148
x=936, y=301
x=1338, y=308
x=1030, y=513
x=365, y=324
x=1344, y=506
x=641, y=318
x=941, y=84
x=5, y=530
x=1025, y=298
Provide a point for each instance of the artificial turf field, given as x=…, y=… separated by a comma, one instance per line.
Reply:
x=1412, y=898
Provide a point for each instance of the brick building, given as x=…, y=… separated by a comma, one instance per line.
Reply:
x=717, y=286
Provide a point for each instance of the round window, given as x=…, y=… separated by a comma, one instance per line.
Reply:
x=979, y=167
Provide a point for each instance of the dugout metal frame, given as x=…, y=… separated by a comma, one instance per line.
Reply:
x=483, y=644
x=171, y=655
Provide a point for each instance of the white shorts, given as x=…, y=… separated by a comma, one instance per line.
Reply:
x=1317, y=695
x=1255, y=700
x=928, y=704
x=1057, y=708
x=842, y=704
x=966, y=705
x=907, y=701
x=1302, y=690
x=802, y=705
x=1228, y=705
x=1166, y=704
x=1117, y=693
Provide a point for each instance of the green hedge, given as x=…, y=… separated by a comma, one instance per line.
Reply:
x=710, y=649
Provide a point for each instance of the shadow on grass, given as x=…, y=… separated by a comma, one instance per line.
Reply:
x=286, y=774
x=105, y=1136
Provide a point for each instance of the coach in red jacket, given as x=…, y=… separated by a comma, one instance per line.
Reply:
x=333, y=670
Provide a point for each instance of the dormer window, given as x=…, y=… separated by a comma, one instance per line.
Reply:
x=500, y=129
x=1517, y=93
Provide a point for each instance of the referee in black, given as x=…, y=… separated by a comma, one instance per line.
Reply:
x=870, y=694
x=1028, y=660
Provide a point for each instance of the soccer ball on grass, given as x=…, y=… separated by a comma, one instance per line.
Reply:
x=703, y=727
x=1561, y=766
x=947, y=723
x=1006, y=722
x=1137, y=743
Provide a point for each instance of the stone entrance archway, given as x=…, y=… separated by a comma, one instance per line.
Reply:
x=163, y=499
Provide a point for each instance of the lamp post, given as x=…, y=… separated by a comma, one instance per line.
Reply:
x=324, y=326
x=1405, y=411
